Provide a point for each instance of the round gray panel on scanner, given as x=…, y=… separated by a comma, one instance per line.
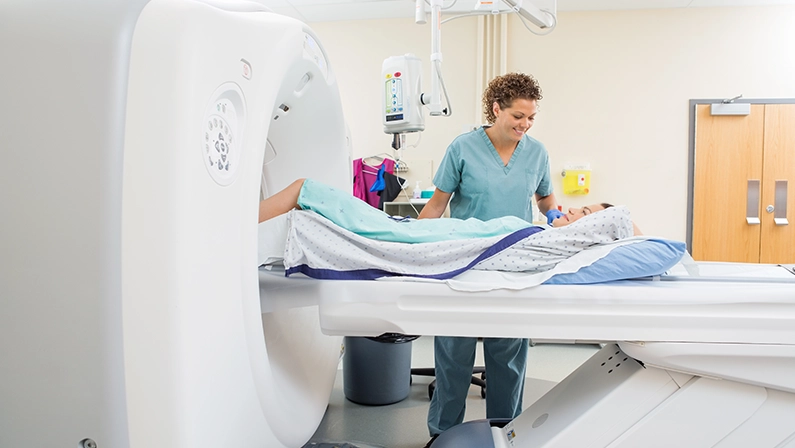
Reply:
x=222, y=133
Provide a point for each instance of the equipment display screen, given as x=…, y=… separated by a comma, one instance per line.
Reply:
x=394, y=117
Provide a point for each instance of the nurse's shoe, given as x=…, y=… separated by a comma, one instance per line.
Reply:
x=430, y=442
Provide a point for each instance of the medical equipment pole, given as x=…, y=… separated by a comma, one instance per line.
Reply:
x=435, y=105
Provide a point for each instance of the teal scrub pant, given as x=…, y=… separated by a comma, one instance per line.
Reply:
x=454, y=358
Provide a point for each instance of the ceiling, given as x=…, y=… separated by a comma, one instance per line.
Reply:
x=334, y=10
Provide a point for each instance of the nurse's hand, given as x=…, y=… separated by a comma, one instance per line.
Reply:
x=553, y=215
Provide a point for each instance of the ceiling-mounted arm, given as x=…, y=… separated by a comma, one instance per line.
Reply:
x=531, y=12
x=435, y=104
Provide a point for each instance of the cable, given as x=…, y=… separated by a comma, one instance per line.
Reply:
x=419, y=139
x=469, y=14
x=405, y=193
x=450, y=5
x=401, y=166
x=444, y=8
x=444, y=89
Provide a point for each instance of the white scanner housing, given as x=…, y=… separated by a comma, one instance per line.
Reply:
x=142, y=133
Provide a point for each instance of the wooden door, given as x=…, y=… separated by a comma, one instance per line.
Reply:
x=777, y=243
x=728, y=153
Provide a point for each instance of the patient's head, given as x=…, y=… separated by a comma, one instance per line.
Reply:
x=577, y=213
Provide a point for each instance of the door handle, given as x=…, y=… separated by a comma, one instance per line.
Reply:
x=780, y=216
x=752, y=204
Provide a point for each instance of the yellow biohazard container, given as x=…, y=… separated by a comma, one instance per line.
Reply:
x=577, y=179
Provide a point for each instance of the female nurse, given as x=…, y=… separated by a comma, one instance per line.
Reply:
x=489, y=173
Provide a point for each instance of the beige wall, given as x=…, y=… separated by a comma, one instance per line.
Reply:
x=616, y=89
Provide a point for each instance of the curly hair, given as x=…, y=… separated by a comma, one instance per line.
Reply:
x=506, y=88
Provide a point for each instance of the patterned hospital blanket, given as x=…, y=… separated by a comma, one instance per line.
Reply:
x=318, y=248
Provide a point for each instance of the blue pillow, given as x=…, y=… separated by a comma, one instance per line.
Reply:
x=642, y=259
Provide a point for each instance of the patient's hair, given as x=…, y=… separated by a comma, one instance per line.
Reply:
x=606, y=205
x=506, y=88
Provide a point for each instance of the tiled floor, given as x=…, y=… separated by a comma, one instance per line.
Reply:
x=402, y=425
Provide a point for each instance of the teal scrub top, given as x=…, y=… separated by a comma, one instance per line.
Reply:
x=483, y=187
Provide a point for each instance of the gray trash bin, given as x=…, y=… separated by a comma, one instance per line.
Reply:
x=377, y=371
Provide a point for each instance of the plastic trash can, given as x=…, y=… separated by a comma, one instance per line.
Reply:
x=377, y=371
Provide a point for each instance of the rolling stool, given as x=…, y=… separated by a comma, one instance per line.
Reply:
x=477, y=381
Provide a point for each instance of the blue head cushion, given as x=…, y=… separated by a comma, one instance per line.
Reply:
x=643, y=259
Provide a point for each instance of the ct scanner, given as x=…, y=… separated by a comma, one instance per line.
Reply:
x=130, y=308
x=138, y=136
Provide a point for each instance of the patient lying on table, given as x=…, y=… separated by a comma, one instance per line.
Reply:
x=360, y=218
x=330, y=234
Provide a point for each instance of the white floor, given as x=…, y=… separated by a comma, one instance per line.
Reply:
x=403, y=424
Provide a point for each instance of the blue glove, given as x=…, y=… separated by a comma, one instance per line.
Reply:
x=379, y=183
x=553, y=214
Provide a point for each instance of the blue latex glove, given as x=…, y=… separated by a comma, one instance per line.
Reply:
x=379, y=183
x=553, y=215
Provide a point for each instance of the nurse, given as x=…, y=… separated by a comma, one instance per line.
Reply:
x=489, y=173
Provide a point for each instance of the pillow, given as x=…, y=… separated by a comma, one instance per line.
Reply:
x=642, y=259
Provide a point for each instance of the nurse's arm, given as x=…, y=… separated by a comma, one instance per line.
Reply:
x=436, y=205
x=546, y=203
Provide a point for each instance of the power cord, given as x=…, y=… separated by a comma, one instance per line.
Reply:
x=408, y=199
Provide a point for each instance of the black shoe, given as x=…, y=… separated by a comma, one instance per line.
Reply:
x=430, y=442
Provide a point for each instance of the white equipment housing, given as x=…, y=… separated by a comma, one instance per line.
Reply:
x=130, y=312
x=402, y=107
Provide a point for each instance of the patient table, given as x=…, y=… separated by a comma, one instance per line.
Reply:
x=700, y=361
x=140, y=135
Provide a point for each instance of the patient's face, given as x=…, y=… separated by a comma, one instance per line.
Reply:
x=576, y=213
